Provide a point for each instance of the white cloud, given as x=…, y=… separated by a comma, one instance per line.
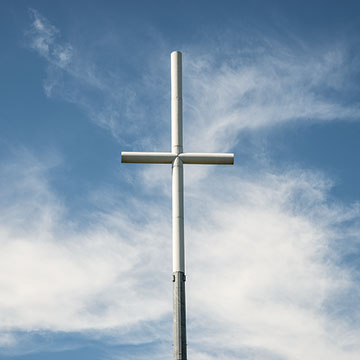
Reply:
x=108, y=100
x=228, y=94
x=263, y=277
x=265, y=272
x=63, y=280
x=42, y=36
x=225, y=92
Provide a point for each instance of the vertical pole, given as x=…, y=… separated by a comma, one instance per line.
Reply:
x=176, y=103
x=179, y=315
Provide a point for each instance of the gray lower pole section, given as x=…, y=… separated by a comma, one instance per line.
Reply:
x=179, y=311
x=179, y=316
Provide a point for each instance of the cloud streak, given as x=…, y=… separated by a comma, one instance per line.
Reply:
x=60, y=278
x=43, y=39
x=264, y=276
x=262, y=89
x=225, y=93
x=266, y=271
x=74, y=78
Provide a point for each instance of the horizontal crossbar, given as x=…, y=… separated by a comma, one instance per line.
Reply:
x=148, y=157
x=207, y=158
x=186, y=158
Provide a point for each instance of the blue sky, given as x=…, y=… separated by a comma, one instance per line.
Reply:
x=272, y=242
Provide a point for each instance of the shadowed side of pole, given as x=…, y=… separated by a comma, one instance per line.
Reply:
x=179, y=315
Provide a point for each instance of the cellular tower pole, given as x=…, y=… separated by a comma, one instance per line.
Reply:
x=177, y=158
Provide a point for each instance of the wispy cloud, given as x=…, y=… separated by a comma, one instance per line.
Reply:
x=107, y=100
x=43, y=39
x=264, y=277
x=230, y=97
x=230, y=93
x=266, y=269
x=59, y=278
x=225, y=92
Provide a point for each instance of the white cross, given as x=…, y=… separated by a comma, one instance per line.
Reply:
x=177, y=158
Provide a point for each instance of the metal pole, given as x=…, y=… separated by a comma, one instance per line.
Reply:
x=179, y=315
x=177, y=158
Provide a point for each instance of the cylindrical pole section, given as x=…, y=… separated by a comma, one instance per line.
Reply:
x=179, y=312
x=178, y=215
x=176, y=103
